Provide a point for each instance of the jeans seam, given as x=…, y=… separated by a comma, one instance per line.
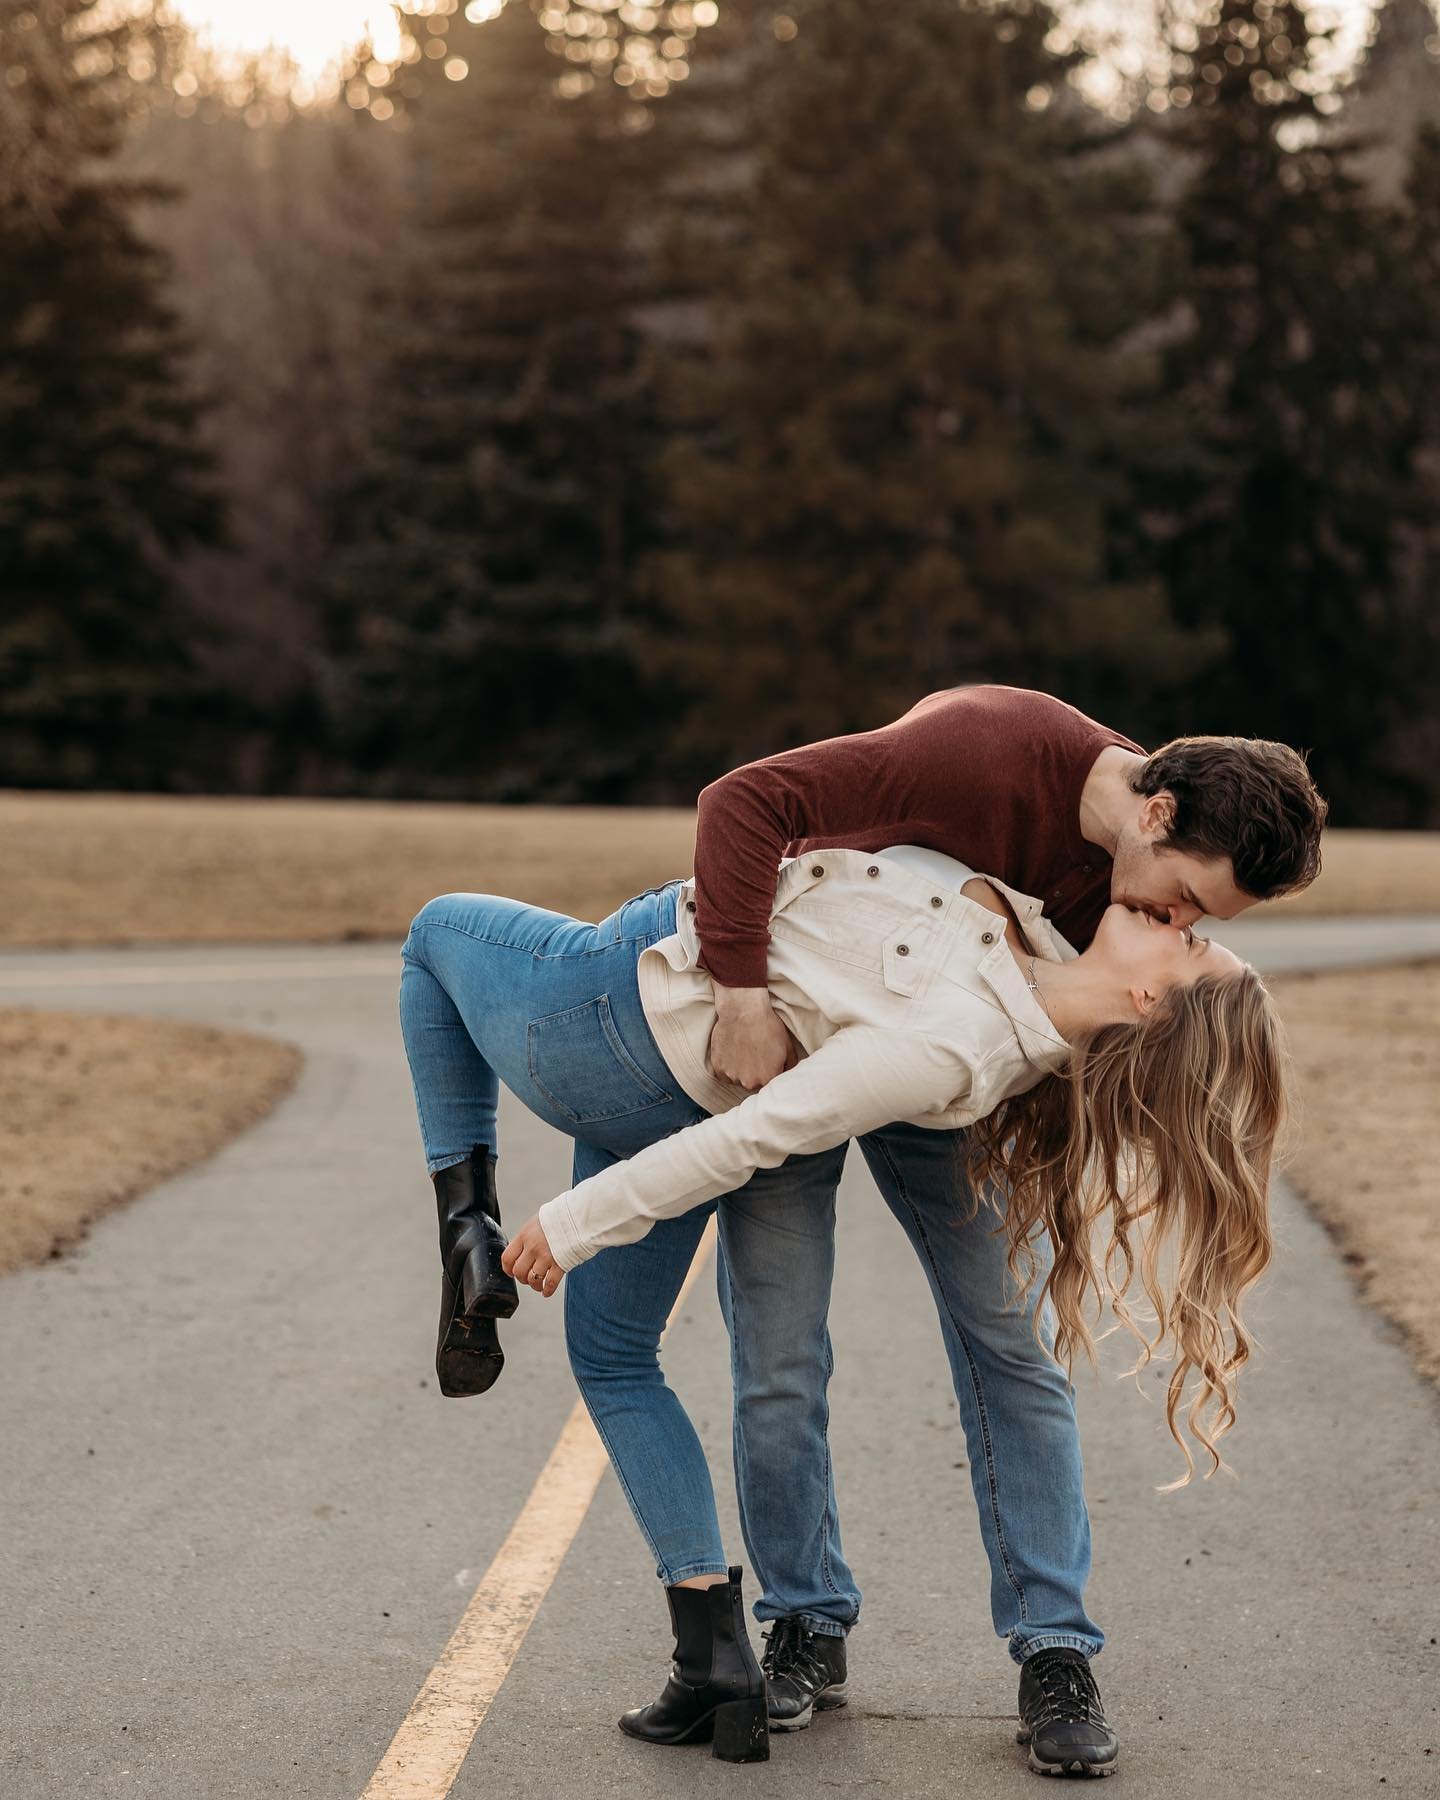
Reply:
x=500, y=943
x=986, y=1440
x=829, y=1472
x=425, y=1133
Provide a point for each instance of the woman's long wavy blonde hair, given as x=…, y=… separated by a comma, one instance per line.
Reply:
x=1165, y=1129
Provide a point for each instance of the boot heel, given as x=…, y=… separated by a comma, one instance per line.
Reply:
x=742, y=1731
x=487, y=1293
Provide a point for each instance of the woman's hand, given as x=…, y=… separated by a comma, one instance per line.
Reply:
x=527, y=1257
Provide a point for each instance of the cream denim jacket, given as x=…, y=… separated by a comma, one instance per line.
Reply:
x=904, y=997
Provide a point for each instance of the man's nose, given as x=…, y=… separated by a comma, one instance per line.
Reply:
x=1182, y=913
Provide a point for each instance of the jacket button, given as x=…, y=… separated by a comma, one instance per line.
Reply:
x=818, y=869
x=872, y=870
x=902, y=949
x=935, y=900
x=987, y=937
x=689, y=906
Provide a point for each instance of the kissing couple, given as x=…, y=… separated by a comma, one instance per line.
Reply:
x=965, y=940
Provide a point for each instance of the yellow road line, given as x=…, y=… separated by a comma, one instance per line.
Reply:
x=144, y=975
x=436, y=1734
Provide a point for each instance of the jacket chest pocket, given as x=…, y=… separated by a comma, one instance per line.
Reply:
x=848, y=934
x=906, y=956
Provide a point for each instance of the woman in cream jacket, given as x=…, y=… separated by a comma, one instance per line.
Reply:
x=1141, y=1081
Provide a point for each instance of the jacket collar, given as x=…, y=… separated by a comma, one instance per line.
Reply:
x=1038, y=932
x=1040, y=1043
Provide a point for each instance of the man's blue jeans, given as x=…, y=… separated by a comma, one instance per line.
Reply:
x=1016, y=1406
x=492, y=991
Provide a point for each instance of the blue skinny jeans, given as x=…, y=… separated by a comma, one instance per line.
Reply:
x=493, y=990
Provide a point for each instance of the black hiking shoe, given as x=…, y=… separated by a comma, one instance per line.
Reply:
x=804, y=1671
x=1062, y=1717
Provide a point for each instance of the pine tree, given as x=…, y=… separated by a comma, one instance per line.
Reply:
x=1412, y=745
x=896, y=459
x=1281, y=482
x=1397, y=94
x=480, y=591
x=277, y=242
x=1420, y=252
x=103, y=477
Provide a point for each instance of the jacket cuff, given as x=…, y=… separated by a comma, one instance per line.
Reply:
x=737, y=965
x=557, y=1221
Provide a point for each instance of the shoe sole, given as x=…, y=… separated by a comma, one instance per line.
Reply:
x=470, y=1359
x=1075, y=1765
x=830, y=1701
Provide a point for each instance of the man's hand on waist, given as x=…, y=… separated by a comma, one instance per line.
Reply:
x=750, y=1044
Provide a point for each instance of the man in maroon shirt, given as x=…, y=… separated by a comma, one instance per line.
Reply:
x=1018, y=785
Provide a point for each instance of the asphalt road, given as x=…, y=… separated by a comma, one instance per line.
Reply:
x=238, y=1524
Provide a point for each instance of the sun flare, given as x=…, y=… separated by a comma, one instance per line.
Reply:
x=315, y=34
x=1121, y=36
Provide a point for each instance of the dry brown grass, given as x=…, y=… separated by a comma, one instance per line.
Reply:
x=1374, y=872
x=114, y=869
x=1367, y=1052
x=107, y=869
x=101, y=1106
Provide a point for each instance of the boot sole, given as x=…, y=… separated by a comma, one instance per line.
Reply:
x=469, y=1359
x=462, y=1373
x=830, y=1701
x=1071, y=1767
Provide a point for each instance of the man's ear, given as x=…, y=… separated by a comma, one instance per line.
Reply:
x=1157, y=815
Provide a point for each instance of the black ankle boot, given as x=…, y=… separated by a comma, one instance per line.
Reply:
x=474, y=1290
x=716, y=1693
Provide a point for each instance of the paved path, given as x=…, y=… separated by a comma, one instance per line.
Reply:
x=240, y=1525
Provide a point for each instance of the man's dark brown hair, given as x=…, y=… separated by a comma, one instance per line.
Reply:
x=1242, y=798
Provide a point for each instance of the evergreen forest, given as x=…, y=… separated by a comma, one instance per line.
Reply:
x=595, y=395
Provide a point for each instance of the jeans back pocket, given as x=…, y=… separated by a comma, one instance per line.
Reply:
x=580, y=1065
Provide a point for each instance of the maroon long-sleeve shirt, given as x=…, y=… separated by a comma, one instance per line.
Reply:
x=990, y=775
